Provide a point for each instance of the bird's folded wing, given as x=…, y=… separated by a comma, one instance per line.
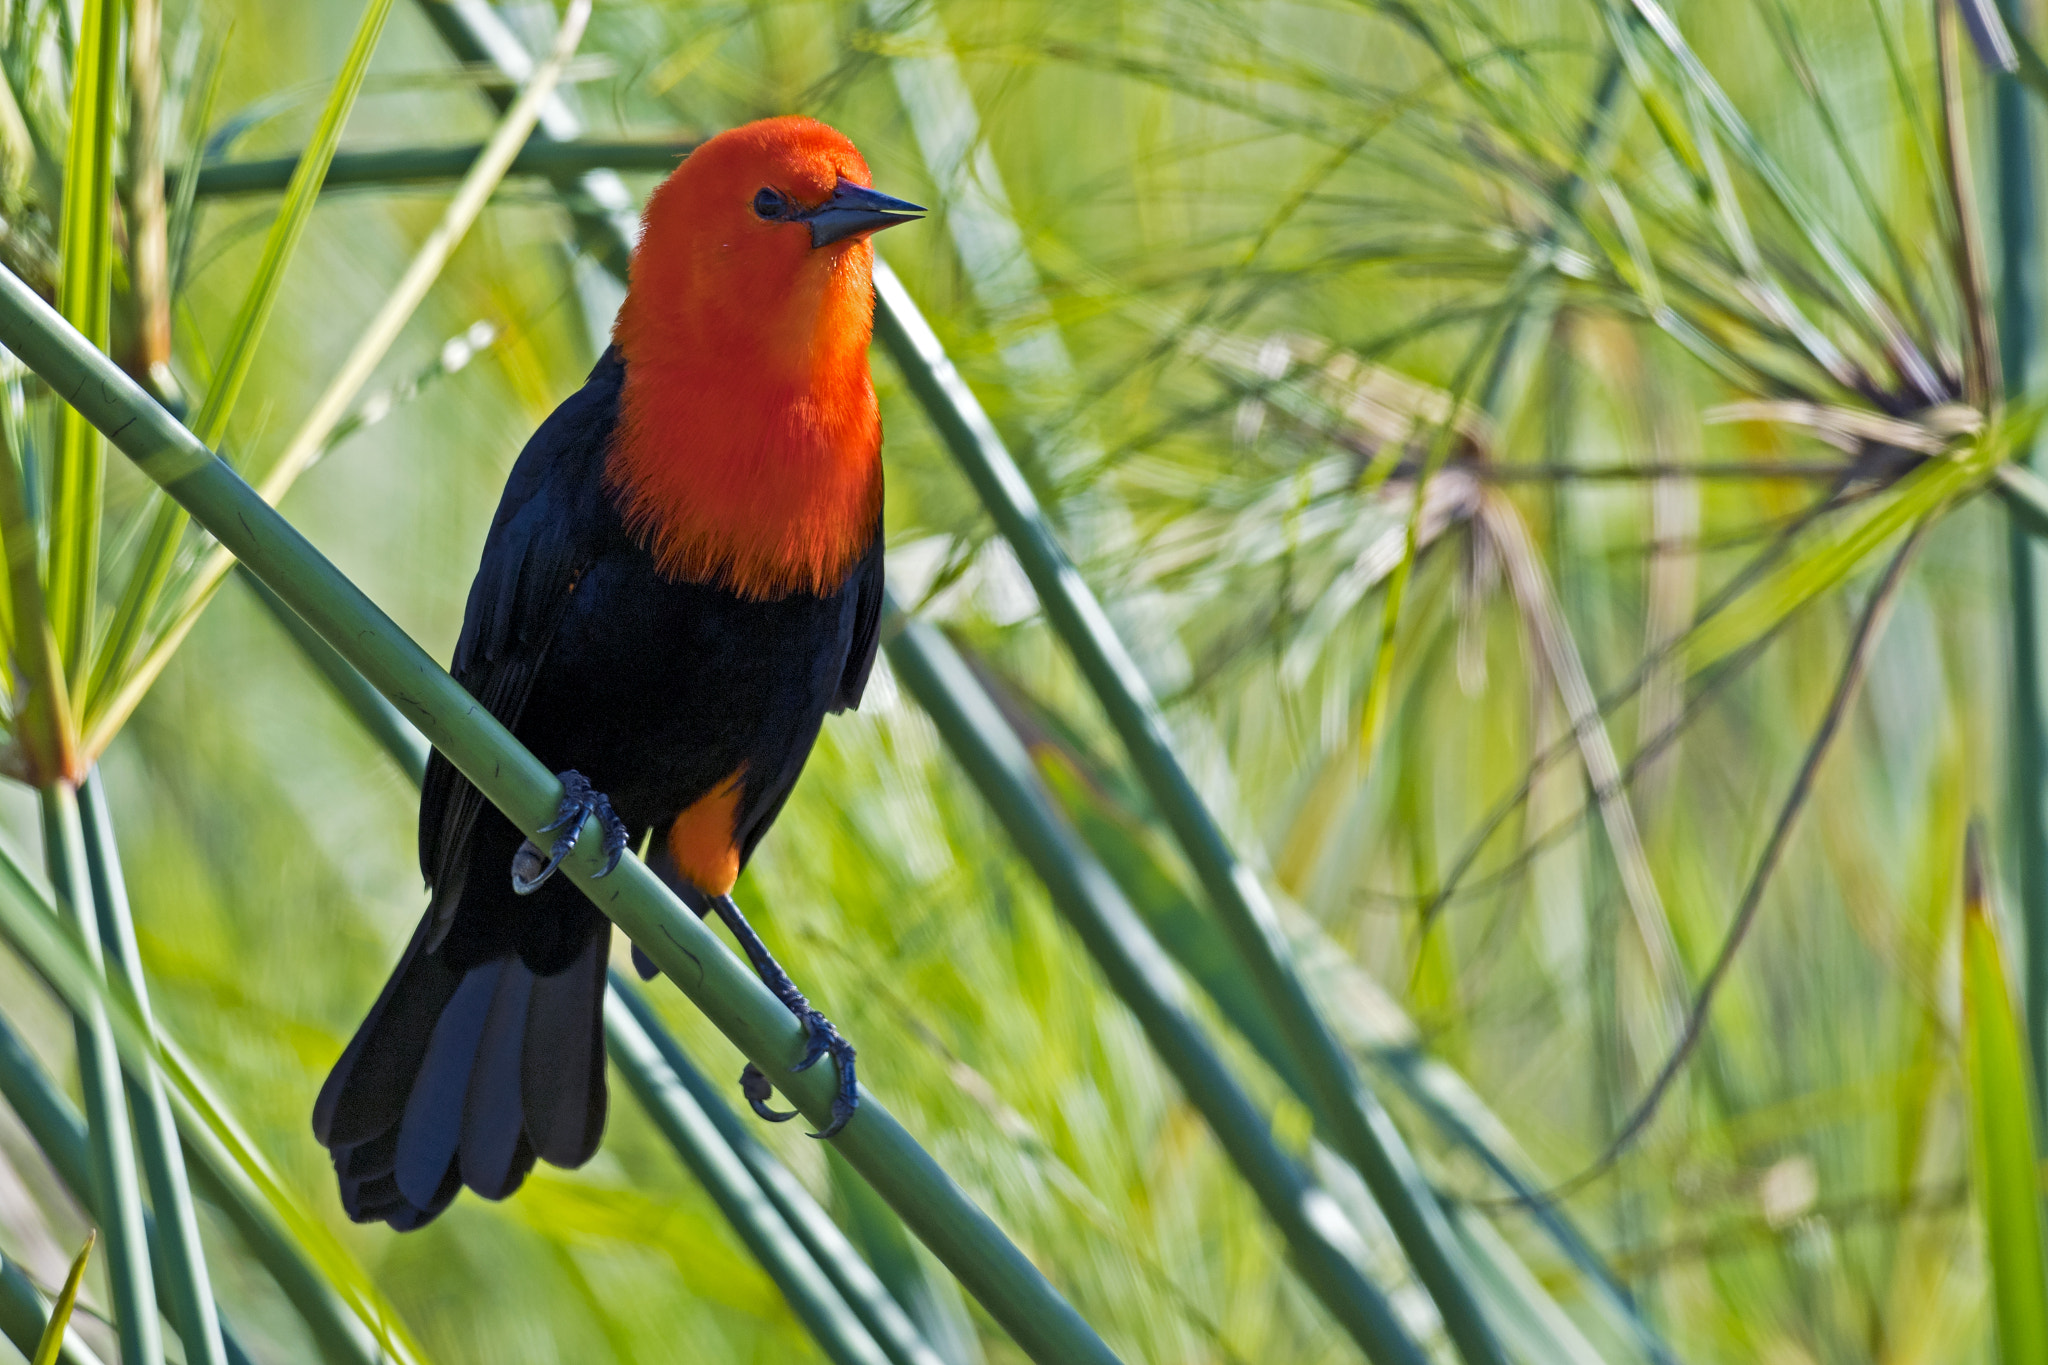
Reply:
x=552, y=522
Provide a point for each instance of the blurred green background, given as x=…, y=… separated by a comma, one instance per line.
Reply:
x=1228, y=275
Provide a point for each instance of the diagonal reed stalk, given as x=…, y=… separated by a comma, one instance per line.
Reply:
x=675, y=1111
x=958, y=1233
x=1360, y=1130
x=739, y=1173
x=1328, y=1252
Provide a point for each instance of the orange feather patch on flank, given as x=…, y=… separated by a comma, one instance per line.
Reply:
x=704, y=839
x=748, y=451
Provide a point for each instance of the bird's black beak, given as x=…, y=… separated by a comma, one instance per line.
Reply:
x=854, y=209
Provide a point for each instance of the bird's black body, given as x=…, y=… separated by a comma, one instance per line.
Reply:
x=485, y=1050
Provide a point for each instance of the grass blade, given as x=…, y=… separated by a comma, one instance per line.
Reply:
x=114, y=1169
x=51, y=1346
x=84, y=297
x=959, y=1234
x=2007, y=1175
x=245, y=337
x=25, y=1318
x=153, y=566
x=190, y=1302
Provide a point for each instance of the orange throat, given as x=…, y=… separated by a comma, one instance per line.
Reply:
x=762, y=489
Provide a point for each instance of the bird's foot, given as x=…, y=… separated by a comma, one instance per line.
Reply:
x=825, y=1041
x=755, y=1086
x=580, y=801
x=822, y=1039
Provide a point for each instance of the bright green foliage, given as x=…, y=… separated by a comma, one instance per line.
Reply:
x=2006, y=1167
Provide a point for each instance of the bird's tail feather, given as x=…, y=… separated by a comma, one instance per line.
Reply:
x=464, y=1077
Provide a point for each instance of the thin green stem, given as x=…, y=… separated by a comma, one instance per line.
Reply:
x=959, y=1234
x=433, y=165
x=190, y=1302
x=59, y=1134
x=115, y=1174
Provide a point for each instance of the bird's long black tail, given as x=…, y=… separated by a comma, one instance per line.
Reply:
x=464, y=1076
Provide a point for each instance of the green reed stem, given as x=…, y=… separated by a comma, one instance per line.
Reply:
x=59, y=1134
x=431, y=165
x=115, y=1175
x=958, y=1233
x=1327, y=1250
x=189, y=1303
x=655, y=1065
x=675, y=1111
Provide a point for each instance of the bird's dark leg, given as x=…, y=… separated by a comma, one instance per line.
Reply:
x=825, y=1040
x=579, y=802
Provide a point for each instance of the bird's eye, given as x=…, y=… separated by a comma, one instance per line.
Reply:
x=769, y=204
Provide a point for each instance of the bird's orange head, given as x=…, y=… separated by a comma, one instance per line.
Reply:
x=748, y=451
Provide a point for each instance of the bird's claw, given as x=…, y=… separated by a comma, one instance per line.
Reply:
x=580, y=801
x=826, y=1041
x=754, y=1085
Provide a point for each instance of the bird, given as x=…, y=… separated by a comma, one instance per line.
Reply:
x=682, y=578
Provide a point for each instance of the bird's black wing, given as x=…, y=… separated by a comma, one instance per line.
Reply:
x=552, y=522
x=770, y=782
x=867, y=629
